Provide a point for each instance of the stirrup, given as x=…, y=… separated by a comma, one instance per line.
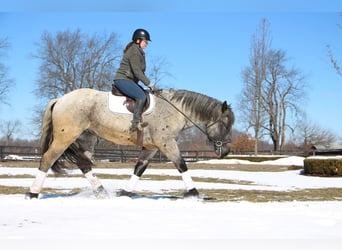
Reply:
x=138, y=126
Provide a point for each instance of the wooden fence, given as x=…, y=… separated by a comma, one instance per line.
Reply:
x=101, y=154
x=121, y=154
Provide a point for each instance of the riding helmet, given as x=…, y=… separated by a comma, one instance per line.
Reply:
x=141, y=34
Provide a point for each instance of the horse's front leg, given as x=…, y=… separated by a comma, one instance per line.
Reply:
x=171, y=150
x=188, y=182
x=139, y=168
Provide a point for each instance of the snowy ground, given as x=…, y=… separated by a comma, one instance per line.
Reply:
x=83, y=222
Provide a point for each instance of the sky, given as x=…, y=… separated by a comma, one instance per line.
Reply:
x=206, y=45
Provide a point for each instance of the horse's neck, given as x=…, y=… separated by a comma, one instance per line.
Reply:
x=194, y=106
x=190, y=118
x=193, y=117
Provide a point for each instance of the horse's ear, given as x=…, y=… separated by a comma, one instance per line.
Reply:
x=224, y=106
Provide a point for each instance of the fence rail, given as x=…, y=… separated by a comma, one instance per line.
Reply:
x=101, y=154
x=125, y=155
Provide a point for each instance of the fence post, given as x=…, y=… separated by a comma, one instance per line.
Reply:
x=121, y=156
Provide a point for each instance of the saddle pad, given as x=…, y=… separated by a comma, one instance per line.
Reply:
x=117, y=104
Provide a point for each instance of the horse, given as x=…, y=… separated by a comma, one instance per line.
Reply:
x=72, y=123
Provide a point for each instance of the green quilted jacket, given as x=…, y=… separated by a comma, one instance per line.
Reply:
x=133, y=66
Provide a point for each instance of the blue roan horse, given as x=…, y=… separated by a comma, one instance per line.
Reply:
x=72, y=123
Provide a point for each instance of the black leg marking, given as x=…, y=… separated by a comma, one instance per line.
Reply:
x=140, y=167
x=182, y=167
x=85, y=168
x=144, y=160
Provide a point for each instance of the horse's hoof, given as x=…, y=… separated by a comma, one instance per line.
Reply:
x=101, y=193
x=123, y=192
x=29, y=196
x=192, y=193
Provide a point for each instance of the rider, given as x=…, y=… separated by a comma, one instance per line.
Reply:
x=131, y=71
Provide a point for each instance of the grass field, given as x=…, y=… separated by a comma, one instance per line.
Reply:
x=218, y=195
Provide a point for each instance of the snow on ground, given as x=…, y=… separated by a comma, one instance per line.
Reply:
x=285, y=161
x=165, y=224
x=278, y=181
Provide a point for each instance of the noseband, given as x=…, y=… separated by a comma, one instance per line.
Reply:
x=217, y=142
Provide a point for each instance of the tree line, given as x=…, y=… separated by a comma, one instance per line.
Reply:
x=270, y=101
x=272, y=95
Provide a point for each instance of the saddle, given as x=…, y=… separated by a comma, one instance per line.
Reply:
x=130, y=103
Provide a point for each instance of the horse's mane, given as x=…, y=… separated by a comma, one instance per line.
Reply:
x=203, y=106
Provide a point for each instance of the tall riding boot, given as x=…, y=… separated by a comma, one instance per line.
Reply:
x=136, y=123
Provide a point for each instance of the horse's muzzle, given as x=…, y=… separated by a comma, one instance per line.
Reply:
x=222, y=149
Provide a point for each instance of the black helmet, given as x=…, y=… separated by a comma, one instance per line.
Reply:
x=141, y=34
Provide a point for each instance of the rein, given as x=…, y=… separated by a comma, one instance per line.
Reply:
x=218, y=143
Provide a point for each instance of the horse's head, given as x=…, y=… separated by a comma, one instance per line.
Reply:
x=219, y=131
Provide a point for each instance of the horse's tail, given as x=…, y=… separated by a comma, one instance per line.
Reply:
x=73, y=154
x=47, y=135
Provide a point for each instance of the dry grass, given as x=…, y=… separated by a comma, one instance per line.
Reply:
x=23, y=190
x=325, y=194
x=218, y=195
x=153, y=165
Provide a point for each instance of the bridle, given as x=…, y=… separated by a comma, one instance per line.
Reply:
x=217, y=142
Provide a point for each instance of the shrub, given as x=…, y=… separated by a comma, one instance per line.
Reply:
x=323, y=167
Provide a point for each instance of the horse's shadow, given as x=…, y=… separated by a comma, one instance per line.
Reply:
x=54, y=196
x=133, y=197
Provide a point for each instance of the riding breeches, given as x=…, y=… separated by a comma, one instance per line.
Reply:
x=130, y=89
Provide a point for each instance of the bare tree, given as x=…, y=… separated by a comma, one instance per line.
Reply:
x=251, y=108
x=271, y=91
x=72, y=60
x=336, y=65
x=9, y=128
x=282, y=91
x=157, y=72
x=310, y=134
x=5, y=82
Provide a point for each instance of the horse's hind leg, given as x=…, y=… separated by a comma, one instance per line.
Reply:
x=56, y=149
x=87, y=141
x=139, y=168
x=98, y=189
x=48, y=158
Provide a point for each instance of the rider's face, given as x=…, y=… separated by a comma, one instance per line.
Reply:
x=143, y=44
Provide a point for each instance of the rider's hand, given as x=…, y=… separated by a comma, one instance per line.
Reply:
x=151, y=86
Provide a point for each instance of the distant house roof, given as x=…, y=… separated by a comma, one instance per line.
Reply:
x=318, y=147
x=323, y=147
x=324, y=150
